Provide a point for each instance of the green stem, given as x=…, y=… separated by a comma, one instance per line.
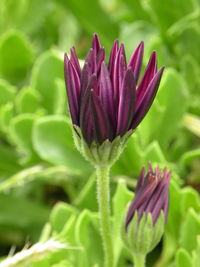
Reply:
x=139, y=260
x=103, y=194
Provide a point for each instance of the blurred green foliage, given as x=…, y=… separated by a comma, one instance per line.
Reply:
x=44, y=182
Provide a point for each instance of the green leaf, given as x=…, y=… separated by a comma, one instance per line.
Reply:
x=190, y=199
x=9, y=161
x=163, y=15
x=184, y=34
x=196, y=253
x=131, y=159
x=88, y=238
x=6, y=115
x=12, y=12
x=172, y=96
x=21, y=134
x=16, y=56
x=136, y=9
x=27, y=101
x=183, y=259
x=60, y=214
x=83, y=200
x=7, y=92
x=119, y=202
x=192, y=123
x=52, y=139
x=63, y=263
x=154, y=153
x=191, y=72
x=169, y=246
x=19, y=214
x=150, y=127
x=163, y=55
x=61, y=100
x=46, y=72
x=132, y=34
x=45, y=234
x=189, y=156
x=103, y=24
x=190, y=230
x=175, y=216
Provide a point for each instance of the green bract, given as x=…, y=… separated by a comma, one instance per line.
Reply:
x=142, y=237
x=100, y=155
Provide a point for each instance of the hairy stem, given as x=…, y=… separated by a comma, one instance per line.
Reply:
x=103, y=195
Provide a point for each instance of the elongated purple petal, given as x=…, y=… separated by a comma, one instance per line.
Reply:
x=126, y=103
x=148, y=76
x=86, y=121
x=136, y=61
x=84, y=80
x=106, y=95
x=96, y=44
x=113, y=55
x=147, y=100
x=139, y=199
x=122, y=71
x=90, y=62
x=156, y=195
x=117, y=73
x=140, y=180
x=100, y=119
x=73, y=89
x=74, y=61
x=99, y=59
x=159, y=205
x=151, y=196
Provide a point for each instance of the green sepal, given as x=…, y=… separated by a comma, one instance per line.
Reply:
x=104, y=154
x=159, y=229
x=142, y=235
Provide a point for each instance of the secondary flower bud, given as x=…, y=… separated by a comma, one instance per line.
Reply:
x=106, y=101
x=147, y=213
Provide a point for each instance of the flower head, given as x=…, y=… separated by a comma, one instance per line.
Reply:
x=106, y=101
x=151, y=195
x=146, y=217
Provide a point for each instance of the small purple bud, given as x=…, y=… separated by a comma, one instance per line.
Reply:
x=151, y=195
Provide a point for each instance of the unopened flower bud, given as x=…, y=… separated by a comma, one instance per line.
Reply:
x=106, y=101
x=147, y=214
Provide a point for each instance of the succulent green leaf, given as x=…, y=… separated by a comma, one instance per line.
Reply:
x=83, y=11
x=21, y=134
x=52, y=139
x=7, y=92
x=6, y=115
x=183, y=258
x=16, y=56
x=60, y=214
x=27, y=101
x=46, y=71
x=173, y=97
x=188, y=239
x=119, y=202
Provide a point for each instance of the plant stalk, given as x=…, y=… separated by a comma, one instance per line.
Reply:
x=139, y=260
x=103, y=196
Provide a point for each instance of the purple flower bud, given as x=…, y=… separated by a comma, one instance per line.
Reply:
x=151, y=194
x=108, y=101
